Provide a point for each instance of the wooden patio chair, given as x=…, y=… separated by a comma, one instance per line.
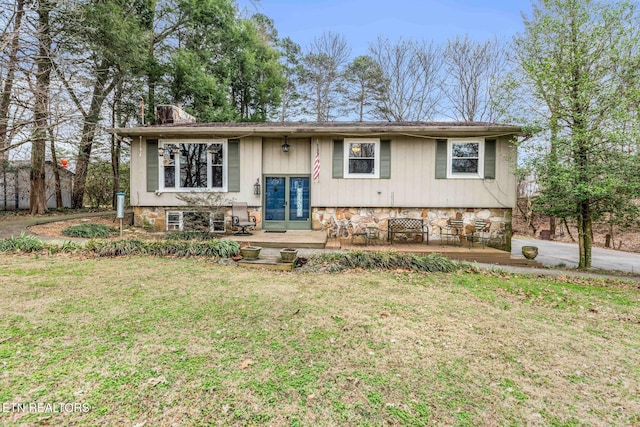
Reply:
x=240, y=218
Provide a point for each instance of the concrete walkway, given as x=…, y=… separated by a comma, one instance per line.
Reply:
x=554, y=254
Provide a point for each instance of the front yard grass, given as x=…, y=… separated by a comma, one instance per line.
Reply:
x=164, y=341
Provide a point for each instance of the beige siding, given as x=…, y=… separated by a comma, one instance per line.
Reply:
x=413, y=182
x=296, y=161
x=250, y=170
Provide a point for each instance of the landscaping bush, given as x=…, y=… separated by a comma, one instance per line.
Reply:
x=383, y=260
x=30, y=244
x=89, y=231
x=191, y=235
x=182, y=248
x=24, y=243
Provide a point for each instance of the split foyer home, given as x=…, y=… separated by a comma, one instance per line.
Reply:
x=339, y=177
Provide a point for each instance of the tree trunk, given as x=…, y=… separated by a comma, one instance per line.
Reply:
x=5, y=99
x=100, y=92
x=585, y=235
x=38, y=198
x=115, y=147
x=56, y=171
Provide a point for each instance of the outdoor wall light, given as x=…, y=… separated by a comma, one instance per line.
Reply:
x=285, y=146
x=256, y=187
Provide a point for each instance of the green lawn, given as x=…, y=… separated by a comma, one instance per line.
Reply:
x=151, y=341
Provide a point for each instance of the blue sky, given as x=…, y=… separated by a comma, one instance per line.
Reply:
x=361, y=21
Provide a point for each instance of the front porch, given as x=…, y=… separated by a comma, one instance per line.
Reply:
x=318, y=240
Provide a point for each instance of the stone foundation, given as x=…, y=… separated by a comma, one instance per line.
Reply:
x=155, y=218
x=343, y=222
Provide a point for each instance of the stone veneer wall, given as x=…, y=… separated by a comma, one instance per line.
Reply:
x=342, y=222
x=155, y=218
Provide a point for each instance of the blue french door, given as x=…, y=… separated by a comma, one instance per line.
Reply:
x=286, y=203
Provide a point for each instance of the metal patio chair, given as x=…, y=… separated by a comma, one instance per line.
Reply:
x=241, y=219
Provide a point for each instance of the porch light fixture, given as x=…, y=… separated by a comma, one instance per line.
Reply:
x=256, y=187
x=285, y=146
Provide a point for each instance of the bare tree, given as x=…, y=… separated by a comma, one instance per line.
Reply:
x=412, y=75
x=473, y=72
x=323, y=64
x=7, y=89
x=38, y=201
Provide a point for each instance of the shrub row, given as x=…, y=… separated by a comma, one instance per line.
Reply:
x=382, y=260
x=182, y=248
x=191, y=235
x=222, y=248
x=31, y=244
x=89, y=231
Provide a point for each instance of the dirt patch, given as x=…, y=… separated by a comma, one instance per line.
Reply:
x=627, y=240
x=55, y=229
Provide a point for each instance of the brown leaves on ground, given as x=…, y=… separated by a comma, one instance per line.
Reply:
x=246, y=363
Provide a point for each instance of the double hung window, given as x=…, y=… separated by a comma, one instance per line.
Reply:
x=465, y=159
x=362, y=158
x=192, y=165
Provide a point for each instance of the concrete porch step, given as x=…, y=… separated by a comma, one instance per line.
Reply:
x=267, y=262
x=289, y=239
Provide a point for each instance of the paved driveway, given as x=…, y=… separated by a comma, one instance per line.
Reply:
x=556, y=253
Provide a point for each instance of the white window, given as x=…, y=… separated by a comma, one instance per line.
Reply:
x=196, y=221
x=361, y=158
x=465, y=159
x=193, y=165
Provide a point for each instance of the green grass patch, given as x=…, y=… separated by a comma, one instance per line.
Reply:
x=169, y=340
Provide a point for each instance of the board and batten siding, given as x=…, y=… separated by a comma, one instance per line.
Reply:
x=413, y=180
x=296, y=161
x=141, y=187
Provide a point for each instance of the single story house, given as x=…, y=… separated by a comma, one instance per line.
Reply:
x=336, y=176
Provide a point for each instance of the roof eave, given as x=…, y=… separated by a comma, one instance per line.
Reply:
x=302, y=131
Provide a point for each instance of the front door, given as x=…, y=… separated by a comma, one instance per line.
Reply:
x=286, y=203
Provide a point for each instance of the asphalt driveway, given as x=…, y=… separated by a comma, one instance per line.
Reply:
x=555, y=254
